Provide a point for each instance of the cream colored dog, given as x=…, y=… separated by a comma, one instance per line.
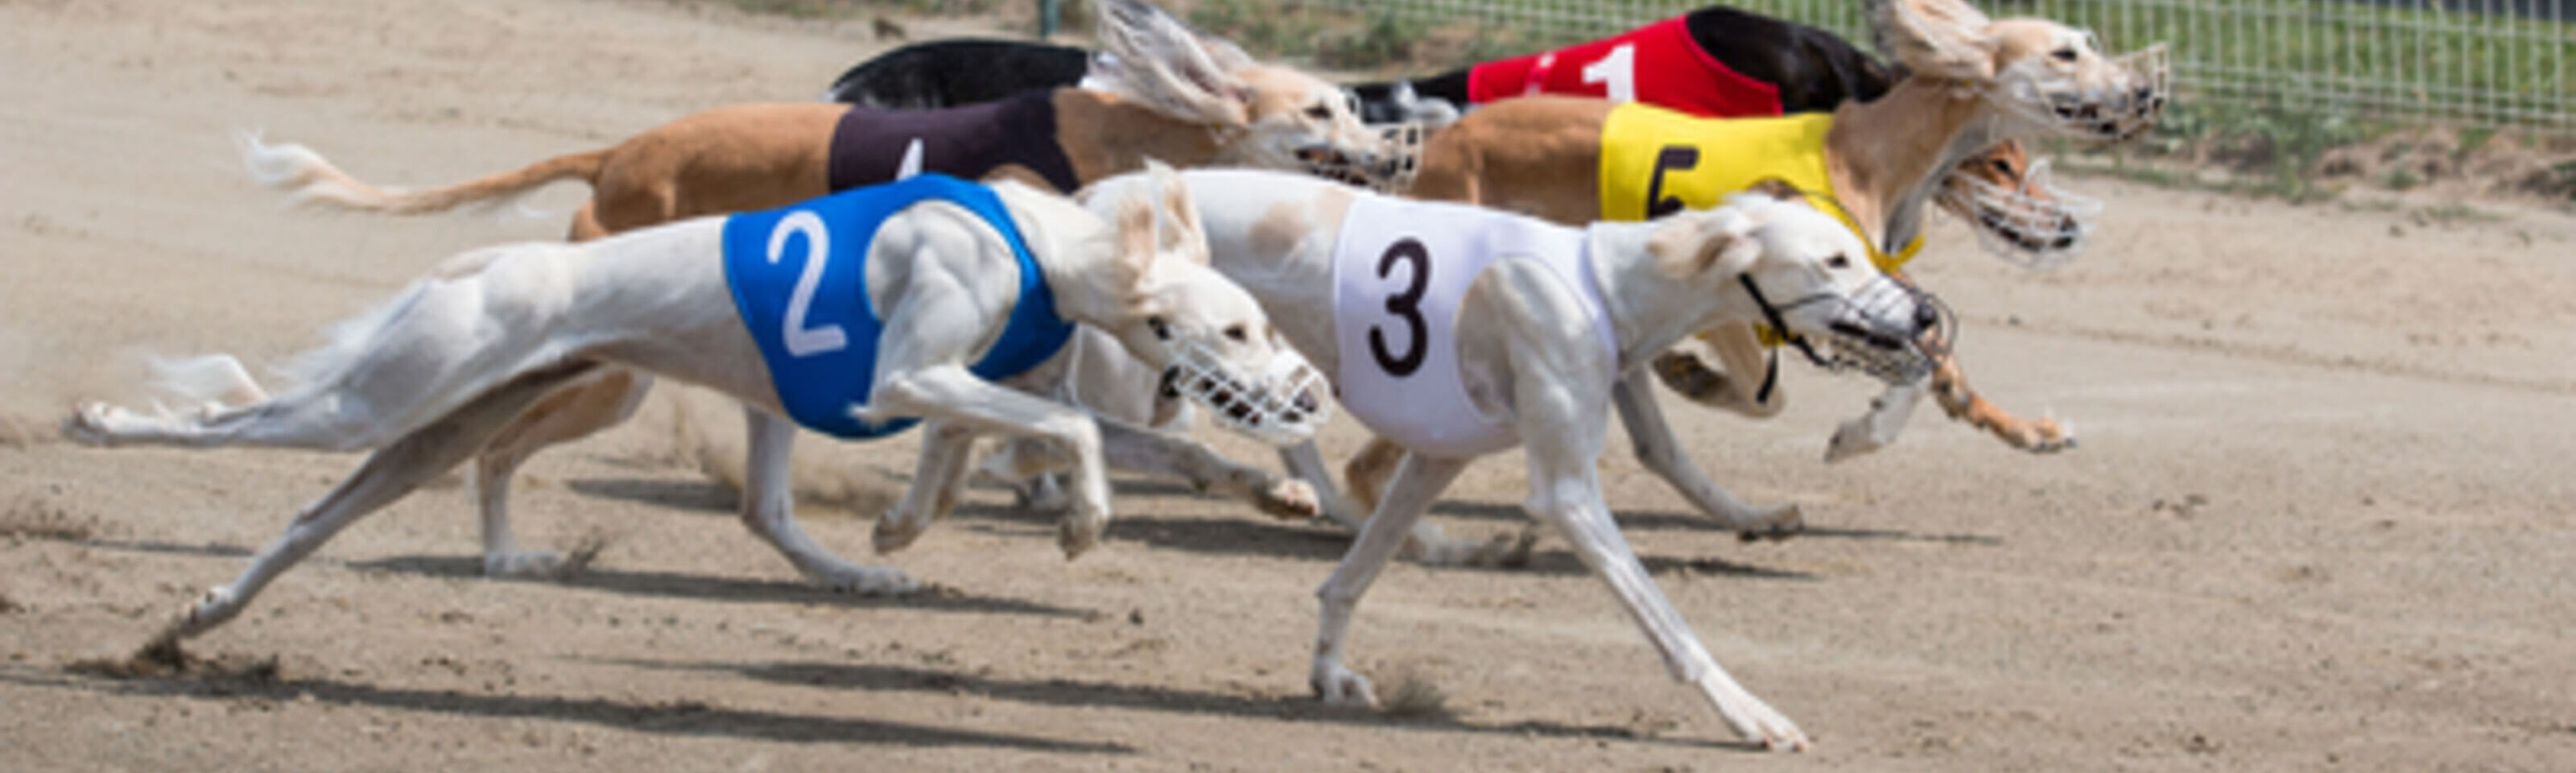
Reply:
x=1528, y=334
x=428, y=378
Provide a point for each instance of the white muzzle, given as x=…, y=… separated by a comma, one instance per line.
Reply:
x=2037, y=225
x=1282, y=405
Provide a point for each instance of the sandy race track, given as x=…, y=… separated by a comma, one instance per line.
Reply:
x=2319, y=521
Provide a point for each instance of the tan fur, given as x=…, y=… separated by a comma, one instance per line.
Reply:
x=1540, y=155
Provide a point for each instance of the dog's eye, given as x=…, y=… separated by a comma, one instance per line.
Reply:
x=2001, y=166
x=1237, y=334
x=1162, y=330
x=1839, y=260
x=1320, y=111
x=2066, y=54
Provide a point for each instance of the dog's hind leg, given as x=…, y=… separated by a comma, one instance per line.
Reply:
x=1368, y=473
x=1660, y=451
x=938, y=479
x=1417, y=482
x=1565, y=491
x=388, y=474
x=768, y=509
x=573, y=412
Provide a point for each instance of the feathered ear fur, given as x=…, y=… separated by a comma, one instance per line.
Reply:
x=1134, y=266
x=1177, y=228
x=1718, y=241
x=1939, y=38
x=1779, y=189
x=1157, y=61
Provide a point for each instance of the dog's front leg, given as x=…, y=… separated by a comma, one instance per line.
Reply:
x=949, y=392
x=1135, y=449
x=1950, y=389
x=937, y=481
x=1565, y=435
x=1418, y=481
x=1660, y=451
x=1886, y=418
x=768, y=509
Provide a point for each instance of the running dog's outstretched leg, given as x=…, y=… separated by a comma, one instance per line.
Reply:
x=937, y=481
x=391, y=472
x=951, y=393
x=571, y=413
x=1418, y=480
x=1661, y=452
x=1565, y=491
x=1368, y=472
x=1129, y=447
x=768, y=509
x=1950, y=389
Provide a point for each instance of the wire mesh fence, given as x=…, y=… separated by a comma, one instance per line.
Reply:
x=2498, y=62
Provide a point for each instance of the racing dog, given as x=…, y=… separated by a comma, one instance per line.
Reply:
x=1174, y=95
x=851, y=314
x=1715, y=62
x=1458, y=331
x=1975, y=83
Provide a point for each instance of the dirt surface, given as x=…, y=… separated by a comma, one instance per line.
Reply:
x=2319, y=520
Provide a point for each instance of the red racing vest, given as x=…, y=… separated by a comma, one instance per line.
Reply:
x=1658, y=64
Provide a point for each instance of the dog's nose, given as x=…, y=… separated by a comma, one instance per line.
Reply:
x=1926, y=317
x=1306, y=401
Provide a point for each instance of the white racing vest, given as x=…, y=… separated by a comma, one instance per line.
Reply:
x=1400, y=272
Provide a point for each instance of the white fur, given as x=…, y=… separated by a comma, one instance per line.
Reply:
x=427, y=379
x=1660, y=282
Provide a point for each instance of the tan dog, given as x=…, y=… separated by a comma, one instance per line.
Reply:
x=1976, y=84
x=1163, y=91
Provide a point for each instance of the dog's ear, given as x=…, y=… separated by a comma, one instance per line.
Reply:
x=1135, y=260
x=1719, y=241
x=1939, y=38
x=1158, y=61
x=1178, y=229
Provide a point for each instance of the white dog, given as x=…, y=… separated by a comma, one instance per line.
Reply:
x=850, y=314
x=1459, y=331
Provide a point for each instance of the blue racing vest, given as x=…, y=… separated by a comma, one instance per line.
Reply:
x=799, y=279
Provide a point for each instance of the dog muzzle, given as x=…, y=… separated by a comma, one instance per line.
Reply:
x=2035, y=225
x=1390, y=169
x=1887, y=330
x=2112, y=113
x=1282, y=405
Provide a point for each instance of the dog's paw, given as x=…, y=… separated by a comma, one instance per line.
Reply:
x=1080, y=531
x=88, y=425
x=1854, y=438
x=895, y=532
x=1751, y=719
x=526, y=564
x=1290, y=500
x=1778, y=522
x=1337, y=685
x=2047, y=436
x=864, y=581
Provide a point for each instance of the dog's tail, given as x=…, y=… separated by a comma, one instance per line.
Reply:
x=310, y=180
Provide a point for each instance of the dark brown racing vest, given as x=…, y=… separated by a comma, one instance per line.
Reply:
x=969, y=141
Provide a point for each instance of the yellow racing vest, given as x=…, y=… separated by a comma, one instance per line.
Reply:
x=1655, y=162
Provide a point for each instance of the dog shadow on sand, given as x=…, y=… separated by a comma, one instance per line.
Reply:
x=236, y=677
x=1073, y=693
